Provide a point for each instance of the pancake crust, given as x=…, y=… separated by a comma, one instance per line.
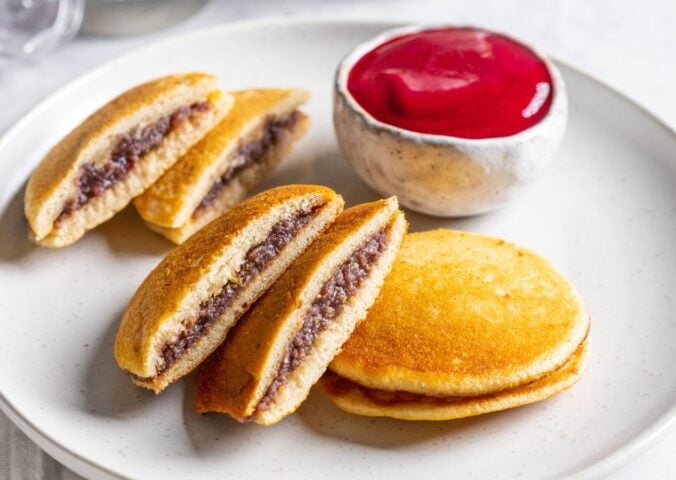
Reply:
x=354, y=398
x=171, y=201
x=463, y=314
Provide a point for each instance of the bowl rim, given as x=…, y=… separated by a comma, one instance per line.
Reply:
x=559, y=102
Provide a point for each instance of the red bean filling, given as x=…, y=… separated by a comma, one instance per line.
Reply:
x=255, y=261
x=130, y=148
x=326, y=306
x=249, y=154
x=339, y=386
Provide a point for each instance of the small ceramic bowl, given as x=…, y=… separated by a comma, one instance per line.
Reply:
x=437, y=174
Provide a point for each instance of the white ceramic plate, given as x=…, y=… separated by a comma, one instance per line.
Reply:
x=605, y=212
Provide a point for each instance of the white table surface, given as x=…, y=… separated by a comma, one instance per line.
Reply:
x=627, y=44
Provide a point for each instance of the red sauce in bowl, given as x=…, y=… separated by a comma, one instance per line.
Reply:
x=460, y=82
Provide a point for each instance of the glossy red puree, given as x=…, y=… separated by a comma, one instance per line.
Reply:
x=461, y=82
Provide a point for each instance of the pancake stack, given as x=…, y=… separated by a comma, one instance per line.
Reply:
x=465, y=324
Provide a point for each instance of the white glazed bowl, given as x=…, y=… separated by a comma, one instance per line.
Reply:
x=443, y=175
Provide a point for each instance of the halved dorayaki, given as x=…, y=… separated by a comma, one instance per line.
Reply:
x=117, y=153
x=281, y=347
x=184, y=308
x=231, y=160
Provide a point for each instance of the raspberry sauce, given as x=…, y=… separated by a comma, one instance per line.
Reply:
x=461, y=82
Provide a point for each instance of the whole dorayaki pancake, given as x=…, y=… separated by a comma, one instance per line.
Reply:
x=354, y=398
x=463, y=314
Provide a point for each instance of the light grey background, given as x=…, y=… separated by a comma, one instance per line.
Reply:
x=629, y=45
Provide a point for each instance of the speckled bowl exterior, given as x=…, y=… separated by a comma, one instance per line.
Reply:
x=443, y=175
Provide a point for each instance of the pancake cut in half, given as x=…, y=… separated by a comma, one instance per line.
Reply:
x=185, y=307
x=230, y=161
x=117, y=153
x=462, y=315
x=282, y=346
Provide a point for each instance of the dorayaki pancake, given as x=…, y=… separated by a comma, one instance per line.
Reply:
x=282, y=346
x=184, y=308
x=463, y=314
x=354, y=398
x=118, y=152
x=231, y=160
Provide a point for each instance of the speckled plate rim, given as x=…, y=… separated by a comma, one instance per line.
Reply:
x=85, y=466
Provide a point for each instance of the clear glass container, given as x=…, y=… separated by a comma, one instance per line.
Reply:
x=131, y=17
x=30, y=27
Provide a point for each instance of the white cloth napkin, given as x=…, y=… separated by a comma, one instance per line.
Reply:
x=21, y=459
